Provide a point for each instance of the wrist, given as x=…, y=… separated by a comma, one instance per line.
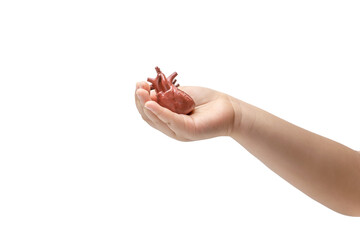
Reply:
x=243, y=118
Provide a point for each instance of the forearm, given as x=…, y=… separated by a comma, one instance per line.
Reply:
x=321, y=168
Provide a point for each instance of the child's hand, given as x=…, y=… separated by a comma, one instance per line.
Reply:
x=213, y=115
x=323, y=169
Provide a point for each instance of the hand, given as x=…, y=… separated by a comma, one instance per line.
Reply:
x=213, y=116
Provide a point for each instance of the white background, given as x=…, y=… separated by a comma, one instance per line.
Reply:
x=78, y=162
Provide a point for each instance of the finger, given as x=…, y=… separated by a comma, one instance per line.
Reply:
x=149, y=117
x=153, y=96
x=176, y=122
x=160, y=125
x=138, y=96
x=141, y=96
x=143, y=85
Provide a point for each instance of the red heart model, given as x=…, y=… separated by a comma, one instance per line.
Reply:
x=169, y=96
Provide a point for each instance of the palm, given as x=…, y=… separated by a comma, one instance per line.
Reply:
x=213, y=115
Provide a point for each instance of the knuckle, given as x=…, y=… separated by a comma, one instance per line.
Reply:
x=167, y=122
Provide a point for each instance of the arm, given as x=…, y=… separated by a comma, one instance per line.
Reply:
x=321, y=168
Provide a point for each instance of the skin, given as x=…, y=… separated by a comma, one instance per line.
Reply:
x=327, y=171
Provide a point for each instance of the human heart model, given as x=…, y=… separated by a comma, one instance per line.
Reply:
x=169, y=95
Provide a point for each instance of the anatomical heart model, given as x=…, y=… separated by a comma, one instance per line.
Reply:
x=169, y=95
